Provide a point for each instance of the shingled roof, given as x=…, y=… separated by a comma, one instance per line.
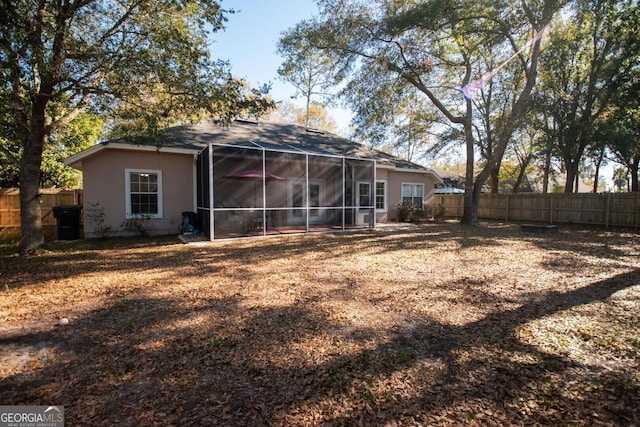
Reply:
x=290, y=137
x=279, y=136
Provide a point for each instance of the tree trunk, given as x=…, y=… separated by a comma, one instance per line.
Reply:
x=306, y=110
x=547, y=172
x=518, y=110
x=596, y=178
x=635, y=165
x=520, y=178
x=470, y=210
x=572, y=172
x=30, y=211
x=494, y=179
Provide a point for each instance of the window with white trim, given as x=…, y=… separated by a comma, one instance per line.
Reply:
x=413, y=193
x=381, y=195
x=143, y=193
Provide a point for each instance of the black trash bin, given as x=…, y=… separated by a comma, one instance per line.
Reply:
x=68, y=222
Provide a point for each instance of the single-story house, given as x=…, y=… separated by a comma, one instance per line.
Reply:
x=245, y=179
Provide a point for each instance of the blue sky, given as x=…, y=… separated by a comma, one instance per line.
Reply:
x=249, y=43
x=251, y=35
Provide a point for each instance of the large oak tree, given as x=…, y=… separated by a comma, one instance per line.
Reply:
x=107, y=55
x=438, y=47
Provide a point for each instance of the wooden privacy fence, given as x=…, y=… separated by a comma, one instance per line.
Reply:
x=10, y=205
x=610, y=209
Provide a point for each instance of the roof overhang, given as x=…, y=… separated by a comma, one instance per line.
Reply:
x=423, y=171
x=75, y=161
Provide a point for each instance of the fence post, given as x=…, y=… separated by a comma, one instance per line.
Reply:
x=617, y=209
x=607, y=210
x=506, y=208
x=637, y=215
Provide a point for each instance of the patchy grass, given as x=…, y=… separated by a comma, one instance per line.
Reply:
x=435, y=325
x=9, y=244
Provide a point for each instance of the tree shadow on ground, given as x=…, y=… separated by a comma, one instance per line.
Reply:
x=215, y=361
x=62, y=260
x=139, y=254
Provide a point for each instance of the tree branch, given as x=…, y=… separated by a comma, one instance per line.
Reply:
x=12, y=158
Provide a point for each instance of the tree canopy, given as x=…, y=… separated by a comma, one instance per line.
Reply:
x=135, y=59
x=310, y=71
x=588, y=64
x=313, y=116
x=574, y=61
x=438, y=47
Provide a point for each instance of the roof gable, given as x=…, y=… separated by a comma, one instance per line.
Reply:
x=197, y=136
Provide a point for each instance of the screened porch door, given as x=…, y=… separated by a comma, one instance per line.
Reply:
x=363, y=202
x=296, y=200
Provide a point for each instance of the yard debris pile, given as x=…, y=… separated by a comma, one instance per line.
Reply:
x=433, y=325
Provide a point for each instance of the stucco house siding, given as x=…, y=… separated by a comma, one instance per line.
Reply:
x=104, y=184
x=395, y=179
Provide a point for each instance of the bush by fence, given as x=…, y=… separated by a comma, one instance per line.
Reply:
x=10, y=206
x=610, y=209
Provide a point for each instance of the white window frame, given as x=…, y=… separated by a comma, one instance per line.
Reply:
x=127, y=187
x=375, y=196
x=413, y=184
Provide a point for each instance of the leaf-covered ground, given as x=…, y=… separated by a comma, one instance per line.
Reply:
x=438, y=324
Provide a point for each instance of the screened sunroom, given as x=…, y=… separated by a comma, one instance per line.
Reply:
x=261, y=189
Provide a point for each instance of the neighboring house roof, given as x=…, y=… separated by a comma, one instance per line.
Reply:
x=195, y=137
x=448, y=190
x=450, y=179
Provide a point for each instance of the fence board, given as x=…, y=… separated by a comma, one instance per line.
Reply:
x=611, y=209
x=10, y=205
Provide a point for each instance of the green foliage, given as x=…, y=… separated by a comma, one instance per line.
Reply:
x=95, y=215
x=621, y=180
x=9, y=245
x=141, y=60
x=619, y=127
x=410, y=212
x=311, y=71
x=227, y=98
x=439, y=212
x=81, y=133
x=404, y=211
x=9, y=169
x=389, y=113
x=433, y=49
x=587, y=66
x=139, y=225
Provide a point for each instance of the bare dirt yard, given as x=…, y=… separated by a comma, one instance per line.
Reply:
x=439, y=324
